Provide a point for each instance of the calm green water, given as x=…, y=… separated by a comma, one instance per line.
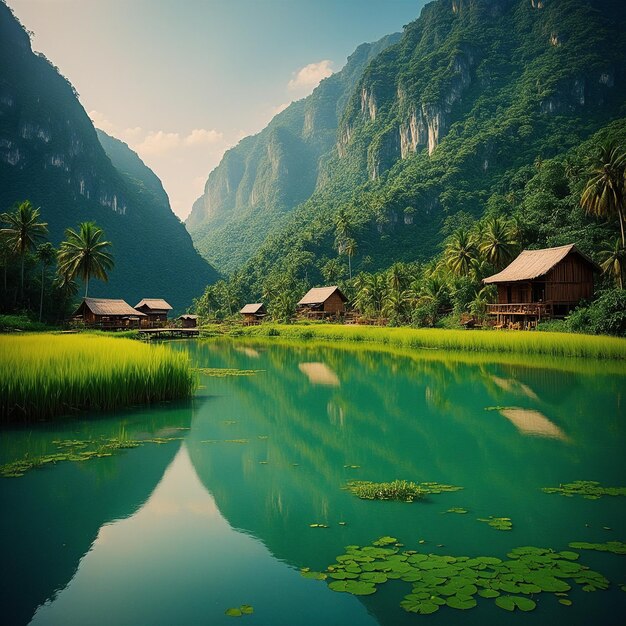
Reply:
x=177, y=533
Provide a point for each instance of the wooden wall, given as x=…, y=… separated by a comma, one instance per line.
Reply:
x=334, y=304
x=570, y=281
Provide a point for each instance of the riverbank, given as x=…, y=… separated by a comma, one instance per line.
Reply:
x=544, y=343
x=48, y=375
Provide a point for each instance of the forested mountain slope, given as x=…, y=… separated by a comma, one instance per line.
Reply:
x=446, y=121
x=50, y=154
x=265, y=176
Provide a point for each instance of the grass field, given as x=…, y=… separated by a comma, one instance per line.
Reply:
x=544, y=343
x=47, y=375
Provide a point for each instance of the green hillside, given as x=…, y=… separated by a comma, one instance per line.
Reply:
x=50, y=154
x=265, y=176
x=448, y=120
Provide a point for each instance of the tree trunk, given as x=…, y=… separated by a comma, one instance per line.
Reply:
x=350, y=265
x=620, y=215
x=22, y=278
x=86, y=286
x=43, y=268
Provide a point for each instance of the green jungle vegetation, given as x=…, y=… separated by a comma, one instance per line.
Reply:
x=40, y=281
x=69, y=373
x=52, y=155
x=493, y=341
x=460, y=582
x=258, y=182
x=482, y=132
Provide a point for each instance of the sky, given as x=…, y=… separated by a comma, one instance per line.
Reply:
x=181, y=81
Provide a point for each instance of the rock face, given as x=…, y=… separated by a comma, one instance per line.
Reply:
x=265, y=176
x=437, y=123
x=51, y=154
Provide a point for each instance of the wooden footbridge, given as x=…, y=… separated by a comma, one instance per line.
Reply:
x=167, y=332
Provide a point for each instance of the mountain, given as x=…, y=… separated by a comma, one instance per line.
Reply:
x=265, y=176
x=448, y=123
x=51, y=154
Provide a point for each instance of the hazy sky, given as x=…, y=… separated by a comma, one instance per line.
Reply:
x=183, y=80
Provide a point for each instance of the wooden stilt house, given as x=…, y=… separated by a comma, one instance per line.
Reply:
x=322, y=302
x=155, y=311
x=188, y=321
x=253, y=313
x=541, y=284
x=107, y=314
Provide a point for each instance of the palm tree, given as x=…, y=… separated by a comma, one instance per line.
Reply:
x=46, y=255
x=24, y=232
x=350, y=247
x=497, y=243
x=460, y=252
x=84, y=254
x=605, y=192
x=613, y=261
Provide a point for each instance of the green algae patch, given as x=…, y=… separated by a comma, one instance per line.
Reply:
x=499, y=523
x=77, y=451
x=403, y=490
x=589, y=489
x=460, y=582
x=244, y=609
x=616, y=547
x=222, y=372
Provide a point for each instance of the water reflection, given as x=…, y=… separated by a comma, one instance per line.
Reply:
x=531, y=422
x=56, y=512
x=319, y=374
x=178, y=561
x=228, y=522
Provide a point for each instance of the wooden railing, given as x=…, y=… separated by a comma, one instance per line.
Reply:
x=537, y=309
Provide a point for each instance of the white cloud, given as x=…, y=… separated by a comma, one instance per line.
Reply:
x=132, y=135
x=203, y=136
x=309, y=77
x=158, y=142
x=281, y=107
x=100, y=121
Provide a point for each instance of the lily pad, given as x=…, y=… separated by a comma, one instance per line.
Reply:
x=499, y=523
x=616, y=547
x=589, y=489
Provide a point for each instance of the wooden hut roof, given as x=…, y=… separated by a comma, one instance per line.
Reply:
x=188, y=316
x=257, y=307
x=156, y=304
x=531, y=264
x=319, y=295
x=104, y=306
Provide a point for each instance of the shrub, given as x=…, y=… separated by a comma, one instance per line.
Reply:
x=604, y=316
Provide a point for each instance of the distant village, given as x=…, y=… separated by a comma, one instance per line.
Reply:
x=538, y=284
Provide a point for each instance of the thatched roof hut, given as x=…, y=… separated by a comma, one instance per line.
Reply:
x=108, y=313
x=253, y=313
x=188, y=320
x=156, y=310
x=323, y=302
x=542, y=283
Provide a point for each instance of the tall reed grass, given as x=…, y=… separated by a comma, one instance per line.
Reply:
x=47, y=375
x=521, y=342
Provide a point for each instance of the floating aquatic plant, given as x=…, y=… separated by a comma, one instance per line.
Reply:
x=457, y=509
x=499, y=523
x=244, y=609
x=616, y=547
x=589, y=489
x=318, y=525
x=407, y=491
x=77, y=451
x=459, y=582
x=221, y=372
